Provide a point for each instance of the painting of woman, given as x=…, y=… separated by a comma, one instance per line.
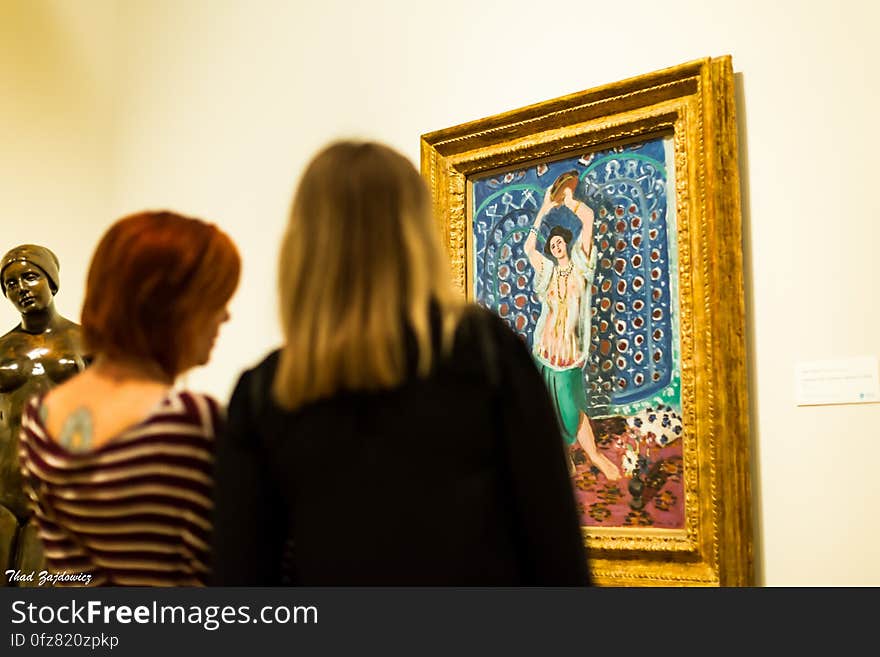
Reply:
x=563, y=279
x=579, y=256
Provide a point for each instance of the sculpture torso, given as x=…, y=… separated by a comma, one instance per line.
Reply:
x=30, y=364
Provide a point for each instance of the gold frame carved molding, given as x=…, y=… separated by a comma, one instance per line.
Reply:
x=694, y=104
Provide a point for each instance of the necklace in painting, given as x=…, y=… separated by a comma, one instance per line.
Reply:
x=562, y=281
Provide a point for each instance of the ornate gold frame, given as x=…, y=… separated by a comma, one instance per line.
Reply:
x=693, y=102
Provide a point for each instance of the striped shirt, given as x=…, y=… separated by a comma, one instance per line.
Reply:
x=136, y=511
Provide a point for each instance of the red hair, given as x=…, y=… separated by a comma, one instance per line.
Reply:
x=154, y=280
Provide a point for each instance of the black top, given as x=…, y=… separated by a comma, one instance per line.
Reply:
x=459, y=478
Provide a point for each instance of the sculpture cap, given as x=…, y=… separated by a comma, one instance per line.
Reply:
x=36, y=255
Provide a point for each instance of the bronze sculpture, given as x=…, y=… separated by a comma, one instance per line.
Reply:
x=42, y=351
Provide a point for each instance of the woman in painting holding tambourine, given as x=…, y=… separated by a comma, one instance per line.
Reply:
x=562, y=282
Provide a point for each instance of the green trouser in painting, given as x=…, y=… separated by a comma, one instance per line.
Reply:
x=566, y=388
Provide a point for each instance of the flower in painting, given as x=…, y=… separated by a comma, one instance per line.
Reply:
x=630, y=460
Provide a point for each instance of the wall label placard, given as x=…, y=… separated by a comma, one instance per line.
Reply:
x=837, y=381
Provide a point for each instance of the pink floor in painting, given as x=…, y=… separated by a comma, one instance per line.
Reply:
x=603, y=503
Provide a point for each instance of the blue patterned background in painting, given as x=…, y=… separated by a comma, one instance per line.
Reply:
x=633, y=359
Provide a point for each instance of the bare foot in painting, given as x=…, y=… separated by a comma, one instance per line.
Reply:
x=611, y=471
x=588, y=442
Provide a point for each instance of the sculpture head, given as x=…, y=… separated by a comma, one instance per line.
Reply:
x=29, y=277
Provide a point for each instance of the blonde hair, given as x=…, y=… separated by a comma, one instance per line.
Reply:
x=360, y=261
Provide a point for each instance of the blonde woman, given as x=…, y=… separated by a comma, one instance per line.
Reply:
x=563, y=281
x=398, y=437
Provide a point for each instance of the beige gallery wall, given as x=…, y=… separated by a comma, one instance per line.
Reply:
x=57, y=86
x=212, y=107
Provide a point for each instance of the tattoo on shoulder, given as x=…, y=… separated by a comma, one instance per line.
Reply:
x=77, y=431
x=44, y=412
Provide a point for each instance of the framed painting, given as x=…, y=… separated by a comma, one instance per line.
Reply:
x=604, y=227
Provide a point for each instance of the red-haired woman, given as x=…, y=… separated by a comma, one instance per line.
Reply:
x=117, y=462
